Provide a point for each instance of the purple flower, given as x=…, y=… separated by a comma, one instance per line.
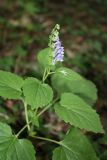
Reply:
x=58, y=52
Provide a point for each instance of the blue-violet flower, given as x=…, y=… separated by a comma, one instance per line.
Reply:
x=55, y=45
x=58, y=52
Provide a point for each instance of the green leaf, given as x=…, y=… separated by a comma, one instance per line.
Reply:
x=12, y=148
x=66, y=80
x=74, y=110
x=5, y=130
x=37, y=94
x=45, y=58
x=75, y=146
x=10, y=85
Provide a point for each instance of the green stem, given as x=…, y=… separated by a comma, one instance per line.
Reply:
x=52, y=103
x=26, y=114
x=43, y=79
x=46, y=139
x=46, y=74
x=39, y=114
x=17, y=135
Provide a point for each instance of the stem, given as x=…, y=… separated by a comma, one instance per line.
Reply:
x=26, y=114
x=39, y=114
x=43, y=79
x=46, y=74
x=17, y=135
x=46, y=139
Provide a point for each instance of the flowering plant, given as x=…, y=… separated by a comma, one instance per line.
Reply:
x=72, y=98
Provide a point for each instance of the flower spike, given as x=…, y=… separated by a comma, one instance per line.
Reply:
x=55, y=45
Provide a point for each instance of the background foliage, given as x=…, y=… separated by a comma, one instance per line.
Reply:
x=24, y=30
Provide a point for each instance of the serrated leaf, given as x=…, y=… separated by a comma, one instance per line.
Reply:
x=74, y=110
x=66, y=80
x=45, y=58
x=12, y=148
x=75, y=146
x=10, y=85
x=37, y=94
